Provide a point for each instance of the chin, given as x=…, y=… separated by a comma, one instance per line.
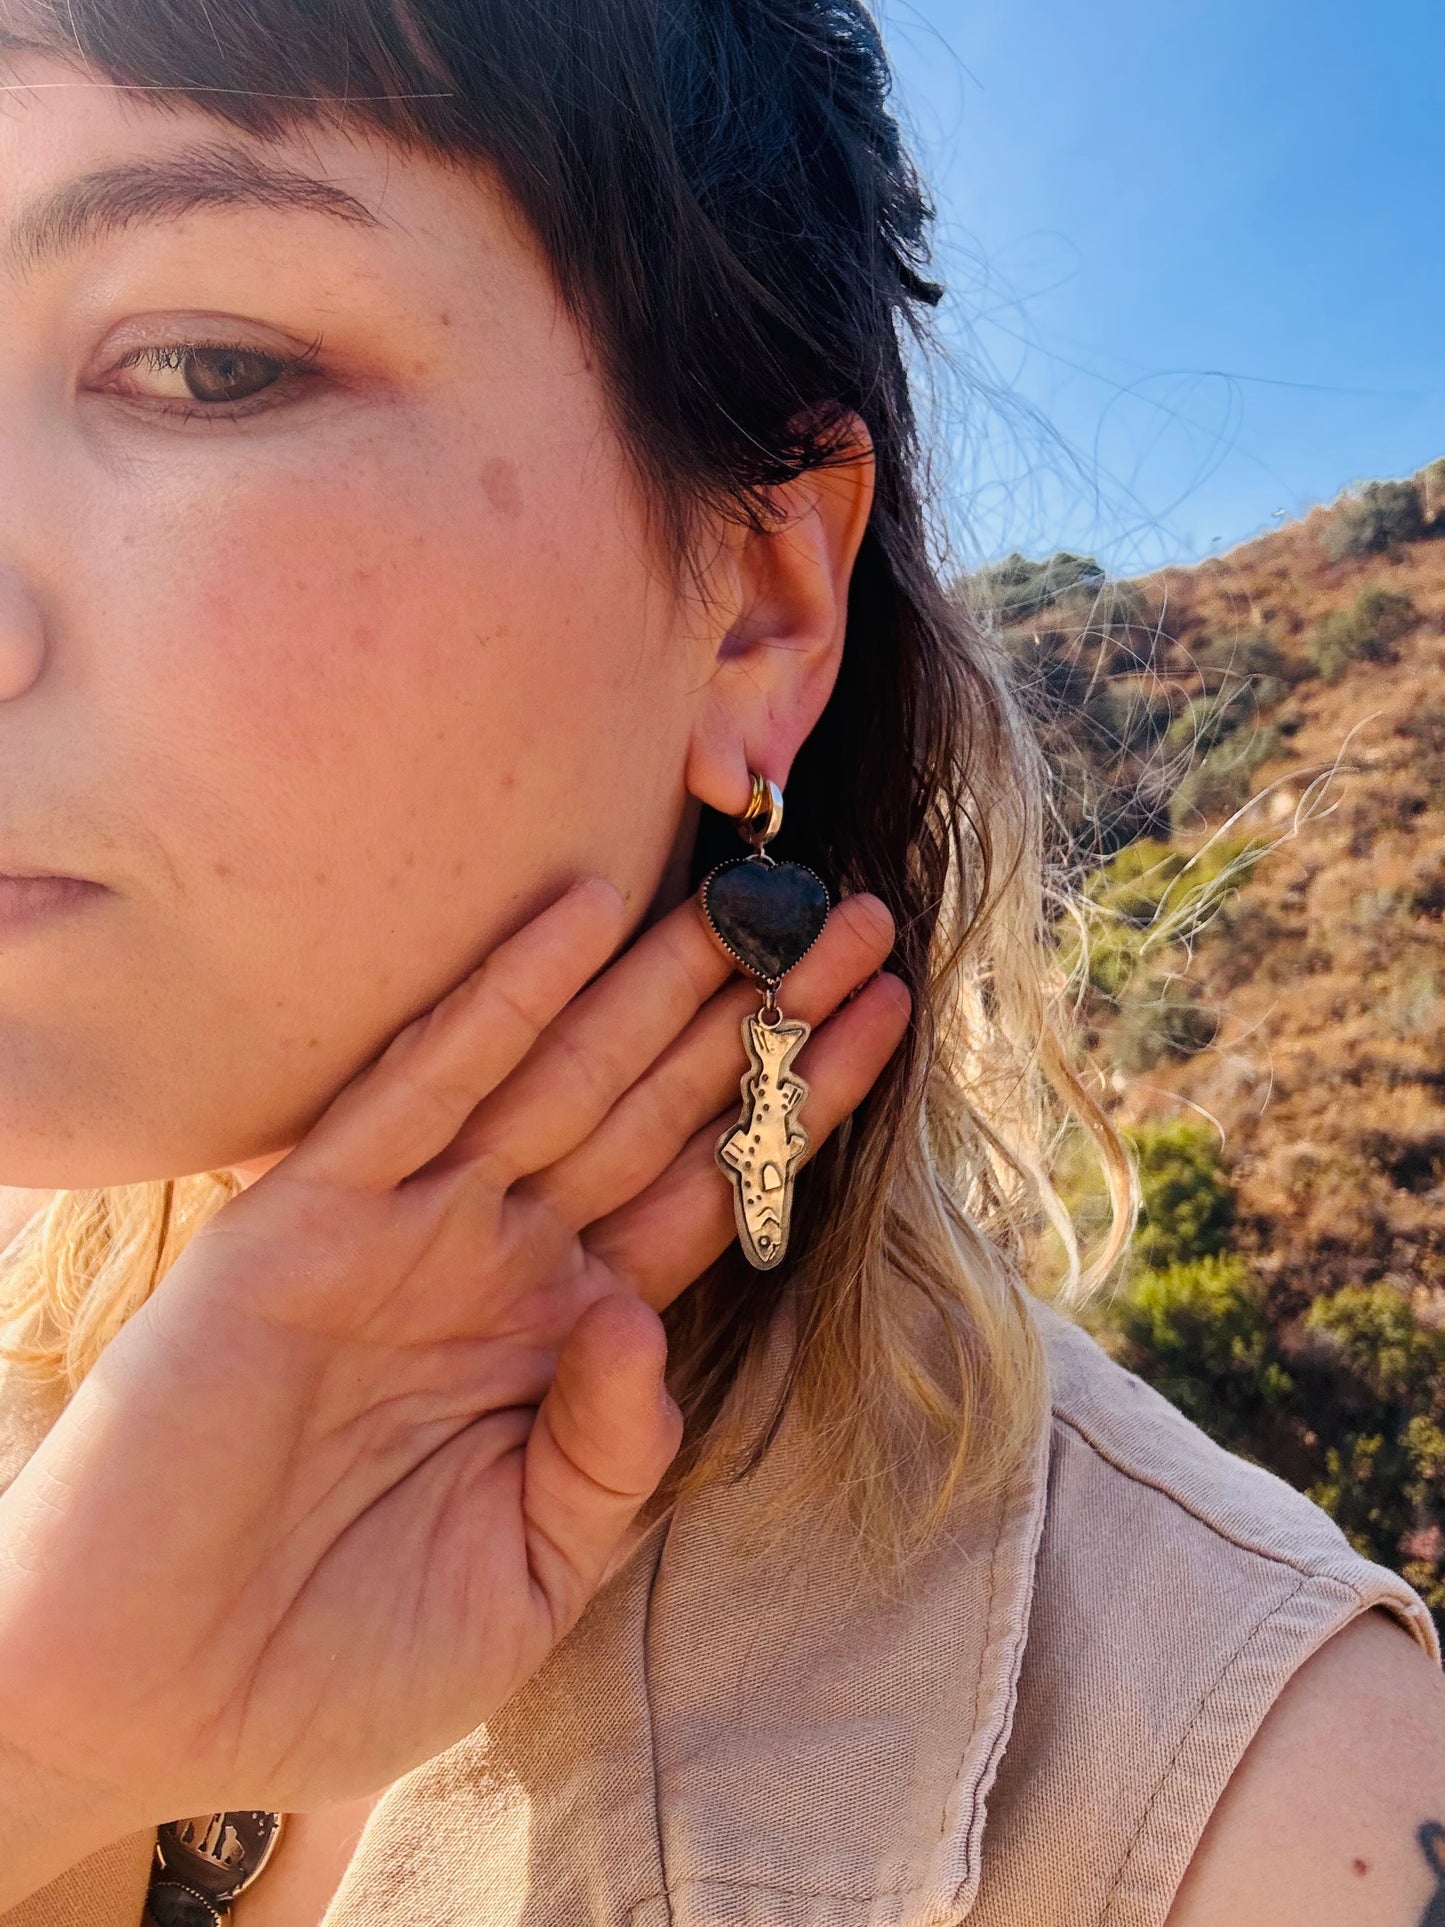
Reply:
x=50, y=1161
x=97, y=1126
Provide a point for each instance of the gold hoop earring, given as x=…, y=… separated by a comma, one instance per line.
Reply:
x=766, y=915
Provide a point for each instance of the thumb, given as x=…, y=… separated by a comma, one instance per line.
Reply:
x=604, y=1436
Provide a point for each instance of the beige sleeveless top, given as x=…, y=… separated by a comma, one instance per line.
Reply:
x=1036, y=1731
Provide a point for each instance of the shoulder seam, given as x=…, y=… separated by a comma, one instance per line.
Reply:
x=1140, y=1477
x=1190, y=1728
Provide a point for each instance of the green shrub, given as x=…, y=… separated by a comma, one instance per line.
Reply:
x=1374, y=1395
x=1207, y=721
x=1374, y=1335
x=1146, y=898
x=1161, y=1020
x=1249, y=658
x=1018, y=587
x=1100, y=608
x=1431, y=480
x=1200, y=1334
x=1128, y=892
x=1347, y=1404
x=1188, y=1201
x=1135, y=884
x=1151, y=882
x=1222, y=782
x=1382, y=514
x=1365, y=632
x=1425, y=726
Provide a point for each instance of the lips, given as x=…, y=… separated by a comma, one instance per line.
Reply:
x=29, y=897
x=30, y=873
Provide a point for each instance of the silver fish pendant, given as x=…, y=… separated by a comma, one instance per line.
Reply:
x=761, y=1153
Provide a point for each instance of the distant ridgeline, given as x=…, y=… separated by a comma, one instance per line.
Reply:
x=1248, y=761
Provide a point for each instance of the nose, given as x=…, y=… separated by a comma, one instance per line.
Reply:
x=22, y=636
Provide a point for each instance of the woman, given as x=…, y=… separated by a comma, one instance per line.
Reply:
x=458, y=455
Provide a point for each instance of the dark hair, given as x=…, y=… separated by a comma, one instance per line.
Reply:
x=729, y=209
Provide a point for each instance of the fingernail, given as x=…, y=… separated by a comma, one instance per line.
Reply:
x=902, y=996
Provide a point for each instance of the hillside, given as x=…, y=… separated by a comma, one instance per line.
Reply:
x=1328, y=968
x=1250, y=765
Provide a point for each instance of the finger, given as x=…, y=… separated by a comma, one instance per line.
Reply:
x=605, y=1434
x=664, y=1238
x=405, y=1108
x=698, y=1075
x=597, y=1047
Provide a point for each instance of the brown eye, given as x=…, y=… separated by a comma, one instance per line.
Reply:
x=227, y=374
x=211, y=374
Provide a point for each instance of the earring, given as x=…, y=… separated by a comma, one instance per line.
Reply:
x=766, y=915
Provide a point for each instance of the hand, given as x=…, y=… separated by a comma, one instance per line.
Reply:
x=335, y=1492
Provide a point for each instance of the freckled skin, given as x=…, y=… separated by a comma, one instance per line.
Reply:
x=333, y=697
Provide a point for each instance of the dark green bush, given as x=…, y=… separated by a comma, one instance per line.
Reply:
x=1347, y=1404
x=1018, y=587
x=1227, y=661
x=1425, y=728
x=1188, y=1202
x=1104, y=607
x=1200, y=1334
x=1206, y=721
x=1382, y=514
x=1373, y=1385
x=1367, y=631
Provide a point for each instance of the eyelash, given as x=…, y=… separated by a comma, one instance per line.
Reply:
x=168, y=356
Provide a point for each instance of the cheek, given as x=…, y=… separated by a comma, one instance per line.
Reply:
x=403, y=675
x=356, y=635
x=369, y=725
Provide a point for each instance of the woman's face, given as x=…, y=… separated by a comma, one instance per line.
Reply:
x=329, y=677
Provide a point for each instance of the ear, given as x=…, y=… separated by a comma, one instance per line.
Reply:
x=780, y=605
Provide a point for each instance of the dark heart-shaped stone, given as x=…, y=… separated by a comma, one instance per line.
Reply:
x=766, y=914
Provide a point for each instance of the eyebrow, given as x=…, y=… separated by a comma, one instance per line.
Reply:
x=95, y=206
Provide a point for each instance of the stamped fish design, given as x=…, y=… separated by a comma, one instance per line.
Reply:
x=762, y=1151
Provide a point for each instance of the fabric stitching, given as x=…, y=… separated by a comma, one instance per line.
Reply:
x=791, y=1889
x=861, y=1896
x=666, y=1894
x=988, y=1644
x=989, y=1766
x=1210, y=1694
x=1194, y=1512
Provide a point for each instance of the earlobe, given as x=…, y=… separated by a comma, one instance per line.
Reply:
x=778, y=656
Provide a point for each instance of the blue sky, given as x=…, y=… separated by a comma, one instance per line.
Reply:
x=1198, y=251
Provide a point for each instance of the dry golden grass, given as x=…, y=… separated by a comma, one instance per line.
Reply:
x=1327, y=1078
